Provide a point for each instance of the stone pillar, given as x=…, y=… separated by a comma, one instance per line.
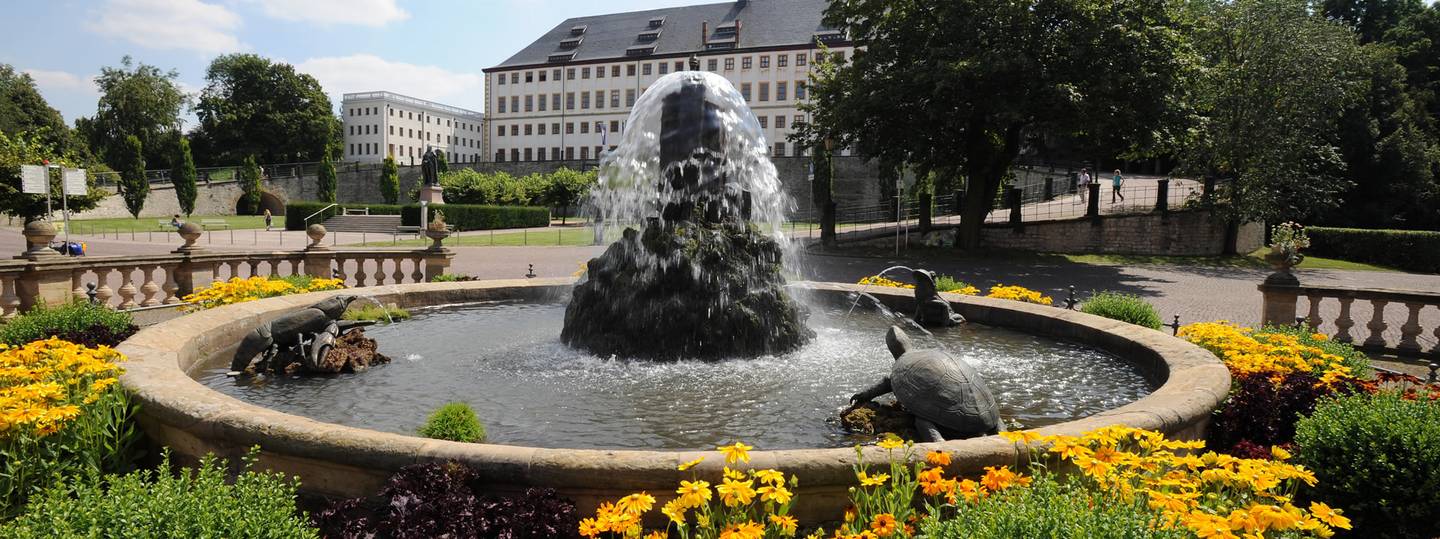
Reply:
x=1092, y=206
x=48, y=271
x=431, y=194
x=187, y=270
x=1162, y=195
x=1049, y=189
x=437, y=262
x=318, y=257
x=1280, y=293
x=1014, y=202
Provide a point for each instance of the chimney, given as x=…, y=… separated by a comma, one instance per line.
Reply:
x=704, y=33
x=737, y=32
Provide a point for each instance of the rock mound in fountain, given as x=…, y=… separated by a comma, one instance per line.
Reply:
x=703, y=280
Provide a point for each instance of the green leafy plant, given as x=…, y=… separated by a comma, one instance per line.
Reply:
x=1053, y=507
x=454, y=421
x=250, y=185
x=134, y=187
x=946, y=283
x=390, y=181
x=79, y=322
x=1122, y=307
x=1412, y=250
x=1378, y=458
x=183, y=177
x=451, y=278
x=196, y=503
x=325, y=177
x=377, y=313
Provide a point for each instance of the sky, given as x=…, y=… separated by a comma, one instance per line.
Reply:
x=430, y=49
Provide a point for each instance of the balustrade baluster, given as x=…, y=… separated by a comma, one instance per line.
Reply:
x=1410, y=332
x=77, y=285
x=399, y=274
x=171, y=287
x=1313, y=318
x=416, y=273
x=340, y=272
x=1344, y=322
x=379, y=274
x=150, y=287
x=359, y=272
x=234, y=266
x=1377, y=324
x=127, y=290
x=10, y=298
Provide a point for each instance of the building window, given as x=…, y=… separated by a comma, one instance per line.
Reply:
x=615, y=126
x=729, y=64
x=585, y=100
x=819, y=57
x=664, y=68
x=599, y=99
x=555, y=153
x=501, y=104
x=542, y=75
x=542, y=129
x=679, y=66
x=614, y=99
x=745, y=90
x=765, y=62
x=529, y=103
x=543, y=101
x=797, y=121
x=764, y=122
x=392, y=130
x=630, y=70
x=569, y=128
x=392, y=111
x=764, y=91
x=782, y=60
x=515, y=130
x=502, y=83
x=529, y=76
x=615, y=71
x=584, y=153
x=541, y=153
x=779, y=149
x=839, y=57
x=570, y=74
x=710, y=65
x=514, y=154
x=645, y=69
x=529, y=130
x=781, y=90
x=799, y=89
x=554, y=101
x=584, y=128
x=780, y=122
x=500, y=131
x=800, y=60
x=514, y=105
x=585, y=73
x=530, y=157
x=745, y=63
x=499, y=156
x=630, y=97
x=570, y=101
x=555, y=130
x=570, y=153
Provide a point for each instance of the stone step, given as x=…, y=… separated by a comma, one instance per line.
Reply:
x=381, y=224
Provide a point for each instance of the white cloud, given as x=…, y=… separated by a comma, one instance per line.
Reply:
x=63, y=82
x=366, y=73
x=359, y=12
x=170, y=24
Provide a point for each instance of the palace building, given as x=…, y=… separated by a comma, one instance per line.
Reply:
x=567, y=95
x=380, y=124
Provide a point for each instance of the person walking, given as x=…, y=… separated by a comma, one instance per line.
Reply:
x=1084, y=185
x=1115, y=184
x=267, y=219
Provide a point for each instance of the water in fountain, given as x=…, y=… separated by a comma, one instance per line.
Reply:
x=703, y=279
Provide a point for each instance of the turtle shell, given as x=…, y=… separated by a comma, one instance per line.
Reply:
x=945, y=390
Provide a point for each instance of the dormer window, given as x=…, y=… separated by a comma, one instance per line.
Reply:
x=726, y=29
x=561, y=57
x=571, y=42
x=640, y=50
x=656, y=22
x=578, y=30
x=648, y=36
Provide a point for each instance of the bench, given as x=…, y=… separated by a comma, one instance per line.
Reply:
x=416, y=230
x=207, y=224
x=164, y=225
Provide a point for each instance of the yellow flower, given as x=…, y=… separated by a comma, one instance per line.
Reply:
x=694, y=493
x=883, y=525
x=891, y=441
x=1326, y=514
x=675, y=509
x=1023, y=436
x=689, y=465
x=774, y=493
x=736, y=493
x=636, y=504
x=737, y=452
x=872, y=480
x=744, y=530
x=774, y=477
x=657, y=535
x=590, y=528
x=786, y=523
x=938, y=458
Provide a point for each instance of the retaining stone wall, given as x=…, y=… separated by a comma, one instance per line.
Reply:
x=1187, y=233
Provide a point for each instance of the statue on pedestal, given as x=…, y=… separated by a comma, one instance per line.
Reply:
x=430, y=190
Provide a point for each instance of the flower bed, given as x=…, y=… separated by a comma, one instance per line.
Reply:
x=945, y=283
x=238, y=290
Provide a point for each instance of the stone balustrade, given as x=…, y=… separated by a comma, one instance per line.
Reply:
x=1282, y=300
x=43, y=276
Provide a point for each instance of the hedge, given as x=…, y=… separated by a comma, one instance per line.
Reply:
x=461, y=216
x=1410, y=250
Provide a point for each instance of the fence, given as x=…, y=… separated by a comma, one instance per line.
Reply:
x=1282, y=291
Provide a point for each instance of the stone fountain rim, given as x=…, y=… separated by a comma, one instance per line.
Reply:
x=178, y=411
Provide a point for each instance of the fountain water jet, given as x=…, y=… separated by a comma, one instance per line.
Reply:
x=703, y=280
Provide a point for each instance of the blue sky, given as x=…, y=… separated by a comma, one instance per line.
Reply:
x=431, y=49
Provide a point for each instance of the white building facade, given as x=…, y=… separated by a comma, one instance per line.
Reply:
x=567, y=96
x=386, y=124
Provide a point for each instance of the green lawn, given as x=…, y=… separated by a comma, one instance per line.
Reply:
x=536, y=238
x=1253, y=260
x=149, y=224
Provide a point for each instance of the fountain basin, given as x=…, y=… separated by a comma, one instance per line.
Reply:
x=334, y=460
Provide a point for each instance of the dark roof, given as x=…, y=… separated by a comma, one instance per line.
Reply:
x=763, y=23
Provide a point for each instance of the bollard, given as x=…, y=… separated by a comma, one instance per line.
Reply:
x=1092, y=208
x=1049, y=189
x=1174, y=326
x=1162, y=195
x=531, y=273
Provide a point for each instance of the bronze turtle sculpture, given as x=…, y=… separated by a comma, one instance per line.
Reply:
x=948, y=397
x=931, y=310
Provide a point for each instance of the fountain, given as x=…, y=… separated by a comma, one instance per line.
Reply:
x=703, y=280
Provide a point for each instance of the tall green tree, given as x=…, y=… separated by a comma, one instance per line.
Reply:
x=1278, y=77
x=1370, y=19
x=390, y=181
x=441, y=164
x=134, y=186
x=254, y=106
x=565, y=188
x=136, y=100
x=182, y=176
x=24, y=110
x=325, y=177
x=962, y=84
x=32, y=149
x=250, y=185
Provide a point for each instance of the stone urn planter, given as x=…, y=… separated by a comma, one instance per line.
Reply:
x=316, y=233
x=437, y=232
x=190, y=232
x=1282, y=260
x=39, y=234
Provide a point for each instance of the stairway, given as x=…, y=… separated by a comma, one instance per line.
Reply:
x=374, y=224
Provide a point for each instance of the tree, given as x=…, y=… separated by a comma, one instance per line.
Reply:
x=32, y=149
x=24, y=111
x=1277, y=80
x=134, y=186
x=183, y=177
x=135, y=100
x=566, y=187
x=325, y=177
x=441, y=165
x=822, y=193
x=1370, y=19
x=962, y=84
x=253, y=106
x=250, y=186
x=390, y=181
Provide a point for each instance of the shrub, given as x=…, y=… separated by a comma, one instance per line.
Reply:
x=134, y=187
x=296, y=212
x=467, y=217
x=390, y=181
x=452, y=278
x=325, y=181
x=183, y=177
x=377, y=313
x=249, y=178
x=79, y=322
x=1410, y=250
x=1378, y=457
x=61, y=414
x=454, y=421
x=1122, y=307
x=446, y=500
x=1053, y=508
x=195, y=504
x=946, y=283
x=1261, y=410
